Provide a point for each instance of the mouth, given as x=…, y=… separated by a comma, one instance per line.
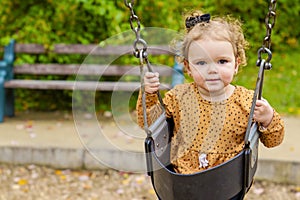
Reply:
x=212, y=79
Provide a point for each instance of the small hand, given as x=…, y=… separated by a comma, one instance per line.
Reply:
x=151, y=81
x=263, y=113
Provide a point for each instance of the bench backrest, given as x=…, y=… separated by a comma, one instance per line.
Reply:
x=94, y=50
x=86, y=69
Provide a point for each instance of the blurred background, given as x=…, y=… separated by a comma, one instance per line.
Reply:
x=50, y=22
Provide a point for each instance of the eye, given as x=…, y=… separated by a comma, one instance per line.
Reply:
x=201, y=63
x=223, y=61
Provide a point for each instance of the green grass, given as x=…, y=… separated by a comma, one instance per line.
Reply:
x=281, y=85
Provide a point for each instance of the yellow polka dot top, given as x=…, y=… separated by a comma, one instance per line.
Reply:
x=207, y=133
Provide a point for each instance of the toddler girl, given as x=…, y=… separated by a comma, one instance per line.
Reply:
x=210, y=114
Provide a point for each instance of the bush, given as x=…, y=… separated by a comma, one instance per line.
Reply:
x=92, y=21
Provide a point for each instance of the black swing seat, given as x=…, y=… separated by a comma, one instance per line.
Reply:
x=230, y=179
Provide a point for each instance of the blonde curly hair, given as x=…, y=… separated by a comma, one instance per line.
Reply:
x=218, y=28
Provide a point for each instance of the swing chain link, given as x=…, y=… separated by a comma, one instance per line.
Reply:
x=266, y=46
x=262, y=64
x=140, y=52
x=135, y=26
x=270, y=23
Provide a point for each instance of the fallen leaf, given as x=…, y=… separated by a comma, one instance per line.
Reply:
x=125, y=182
x=20, y=127
x=258, y=191
x=22, y=182
x=87, y=186
x=292, y=149
x=120, y=191
x=58, y=172
x=107, y=114
x=83, y=178
x=140, y=179
x=32, y=135
x=151, y=191
x=62, y=177
x=15, y=187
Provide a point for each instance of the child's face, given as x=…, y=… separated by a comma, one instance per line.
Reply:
x=212, y=64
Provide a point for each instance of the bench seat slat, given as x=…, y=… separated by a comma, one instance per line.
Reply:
x=86, y=69
x=92, y=49
x=108, y=50
x=30, y=48
x=75, y=85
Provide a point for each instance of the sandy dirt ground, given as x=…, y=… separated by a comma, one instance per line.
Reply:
x=32, y=182
x=42, y=183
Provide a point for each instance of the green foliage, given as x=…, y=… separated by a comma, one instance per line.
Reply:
x=281, y=83
x=91, y=21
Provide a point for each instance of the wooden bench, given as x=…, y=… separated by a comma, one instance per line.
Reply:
x=9, y=70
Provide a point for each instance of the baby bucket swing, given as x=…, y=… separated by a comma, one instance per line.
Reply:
x=232, y=178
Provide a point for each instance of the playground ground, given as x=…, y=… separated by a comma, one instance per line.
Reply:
x=29, y=172
x=42, y=183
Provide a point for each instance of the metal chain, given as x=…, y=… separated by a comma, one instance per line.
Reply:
x=266, y=46
x=142, y=55
x=270, y=23
x=135, y=25
x=262, y=64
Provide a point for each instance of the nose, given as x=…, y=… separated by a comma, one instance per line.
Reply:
x=212, y=68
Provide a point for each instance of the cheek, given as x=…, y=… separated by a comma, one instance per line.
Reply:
x=227, y=76
x=198, y=78
x=200, y=71
x=197, y=73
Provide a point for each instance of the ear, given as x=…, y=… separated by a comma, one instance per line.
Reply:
x=187, y=67
x=236, y=69
x=237, y=64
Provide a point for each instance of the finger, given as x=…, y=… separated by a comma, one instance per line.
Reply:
x=255, y=113
x=258, y=111
x=265, y=100
x=151, y=74
x=154, y=80
x=151, y=77
x=151, y=89
x=256, y=117
x=262, y=102
x=151, y=85
x=257, y=108
x=154, y=85
x=149, y=80
x=259, y=103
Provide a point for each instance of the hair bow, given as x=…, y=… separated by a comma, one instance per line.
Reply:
x=192, y=21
